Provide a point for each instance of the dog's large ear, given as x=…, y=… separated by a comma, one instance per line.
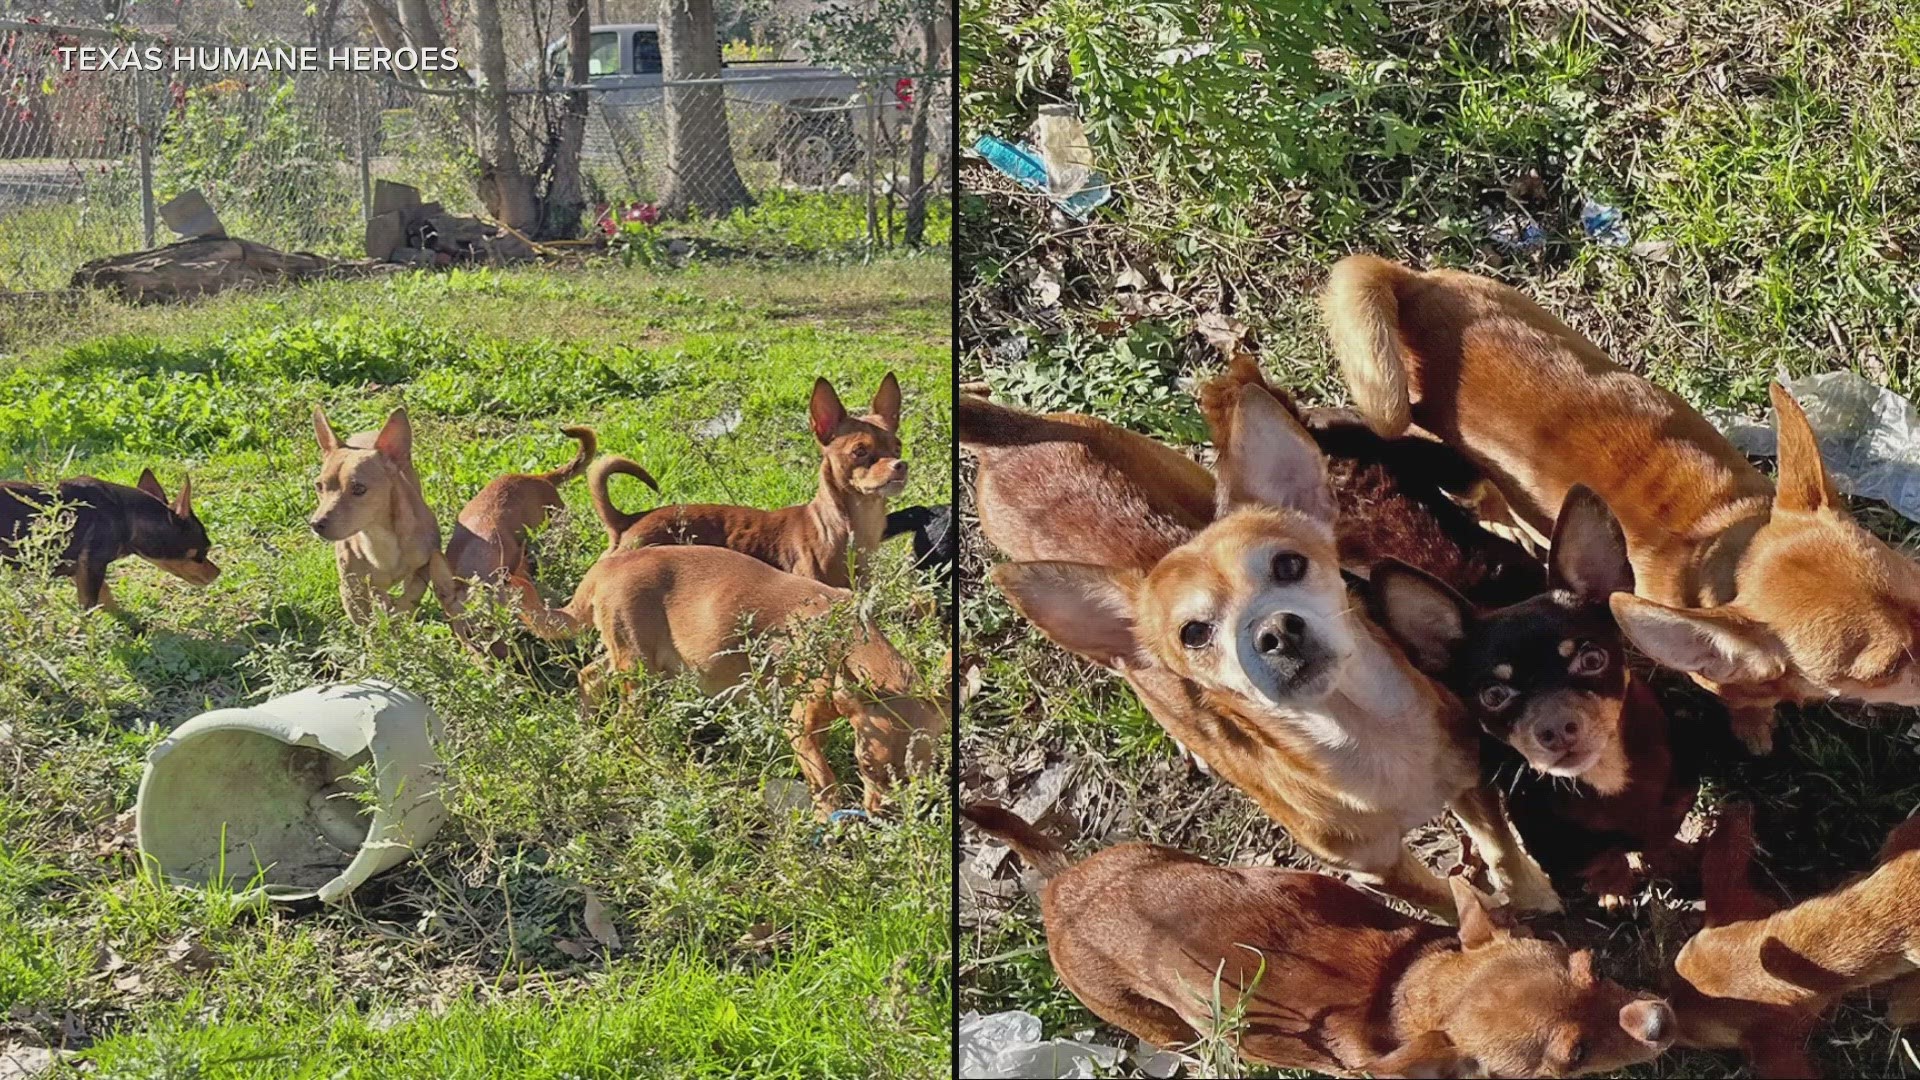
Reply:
x=1717, y=644
x=150, y=484
x=1803, y=483
x=183, y=502
x=1429, y=1056
x=1589, y=554
x=395, y=440
x=886, y=403
x=1084, y=609
x=1270, y=460
x=1422, y=615
x=825, y=411
x=1482, y=922
x=329, y=442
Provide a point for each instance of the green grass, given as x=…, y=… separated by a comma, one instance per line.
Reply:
x=754, y=942
x=1766, y=152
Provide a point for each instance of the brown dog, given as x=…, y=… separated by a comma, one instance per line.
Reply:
x=860, y=469
x=382, y=530
x=1320, y=976
x=1762, y=593
x=489, y=541
x=1246, y=647
x=682, y=608
x=1759, y=979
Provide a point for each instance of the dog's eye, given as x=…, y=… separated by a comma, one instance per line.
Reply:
x=1196, y=634
x=1289, y=567
x=359, y=489
x=1589, y=661
x=1497, y=696
x=1576, y=1054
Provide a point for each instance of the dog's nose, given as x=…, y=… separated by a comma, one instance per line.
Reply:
x=1648, y=1021
x=1559, y=736
x=1280, y=635
x=900, y=470
x=318, y=526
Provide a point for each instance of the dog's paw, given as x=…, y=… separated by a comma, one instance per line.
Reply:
x=1754, y=729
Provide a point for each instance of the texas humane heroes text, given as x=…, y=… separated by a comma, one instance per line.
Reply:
x=239, y=58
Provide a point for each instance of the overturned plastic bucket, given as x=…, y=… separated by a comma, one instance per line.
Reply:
x=305, y=795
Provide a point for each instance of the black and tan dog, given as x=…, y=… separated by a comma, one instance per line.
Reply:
x=110, y=522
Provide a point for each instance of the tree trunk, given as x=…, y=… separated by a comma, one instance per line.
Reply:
x=917, y=183
x=564, y=202
x=504, y=187
x=700, y=173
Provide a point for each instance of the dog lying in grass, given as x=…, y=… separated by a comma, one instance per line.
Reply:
x=860, y=469
x=1247, y=648
x=1759, y=978
x=1579, y=744
x=1313, y=974
x=110, y=522
x=691, y=608
x=1762, y=592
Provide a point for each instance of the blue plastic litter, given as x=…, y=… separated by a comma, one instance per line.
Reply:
x=1517, y=233
x=1024, y=164
x=1604, y=225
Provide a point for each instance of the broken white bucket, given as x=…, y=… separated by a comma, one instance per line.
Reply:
x=271, y=798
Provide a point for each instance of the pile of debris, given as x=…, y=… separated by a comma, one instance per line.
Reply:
x=206, y=262
x=403, y=229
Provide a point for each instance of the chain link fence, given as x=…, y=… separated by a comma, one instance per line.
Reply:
x=289, y=159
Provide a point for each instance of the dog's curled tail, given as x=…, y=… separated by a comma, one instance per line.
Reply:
x=1362, y=308
x=616, y=520
x=1041, y=852
x=589, y=445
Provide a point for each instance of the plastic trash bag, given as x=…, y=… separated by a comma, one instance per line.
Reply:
x=1008, y=1046
x=1604, y=225
x=1869, y=437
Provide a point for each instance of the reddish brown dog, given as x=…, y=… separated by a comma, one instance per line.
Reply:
x=860, y=469
x=1313, y=974
x=1763, y=593
x=683, y=608
x=1759, y=979
x=1243, y=642
x=489, y=540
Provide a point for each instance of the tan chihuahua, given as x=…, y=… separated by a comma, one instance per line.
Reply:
x=1320, y=976
x=383, y=533
x=1760, y=979
x=860, y=469
x=1762, y=592
x=1259, y=663
x=683, y=608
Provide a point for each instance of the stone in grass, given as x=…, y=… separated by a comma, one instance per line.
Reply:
x=385, y=234
x=191, y=216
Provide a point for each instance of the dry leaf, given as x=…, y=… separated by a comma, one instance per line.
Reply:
x=189, y=955
x=599, y=923
x=1221, y=331
x=1130, y=279
x=970, y=683
x=128, y=984
x=1046, y=288
x=762, y=937
x=574, y=949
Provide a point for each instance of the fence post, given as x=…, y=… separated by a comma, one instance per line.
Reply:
x=361, y=129
x=143, y=124
x=873, y=145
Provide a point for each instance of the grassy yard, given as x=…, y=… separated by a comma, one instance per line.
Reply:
x=1763, y=157
x=752, y=941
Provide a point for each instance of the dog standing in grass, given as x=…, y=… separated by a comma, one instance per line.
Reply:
x=681, y=608
x=382, y=530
